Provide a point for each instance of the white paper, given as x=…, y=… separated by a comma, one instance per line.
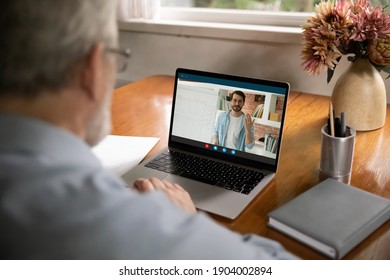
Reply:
x=121, y=153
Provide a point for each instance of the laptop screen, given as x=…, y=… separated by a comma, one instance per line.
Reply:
x=233, y=118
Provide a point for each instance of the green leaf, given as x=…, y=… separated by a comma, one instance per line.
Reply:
x=331, y=71
x=330, y=75
x=351, y=58
x=382, y=68
x=385, y=69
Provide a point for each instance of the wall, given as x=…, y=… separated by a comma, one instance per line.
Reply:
x=159, y=53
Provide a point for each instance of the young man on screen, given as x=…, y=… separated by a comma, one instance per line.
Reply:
x=234, y=129
x=58, y=62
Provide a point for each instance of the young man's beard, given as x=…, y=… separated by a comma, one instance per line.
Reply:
x=236, y=108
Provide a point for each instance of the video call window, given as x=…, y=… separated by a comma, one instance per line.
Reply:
x=199, y=104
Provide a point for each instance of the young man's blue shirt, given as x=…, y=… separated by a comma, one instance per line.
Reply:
x=221, y=129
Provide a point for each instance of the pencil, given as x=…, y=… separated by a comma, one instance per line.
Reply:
x=331, y=118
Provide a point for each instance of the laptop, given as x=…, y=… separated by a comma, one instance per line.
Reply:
x=221, y=179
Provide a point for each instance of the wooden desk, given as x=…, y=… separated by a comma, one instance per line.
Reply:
x=143, y=108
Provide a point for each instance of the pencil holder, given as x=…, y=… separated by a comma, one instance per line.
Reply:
x=337, y=155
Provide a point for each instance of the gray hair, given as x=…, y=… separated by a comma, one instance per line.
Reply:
x=43, y=42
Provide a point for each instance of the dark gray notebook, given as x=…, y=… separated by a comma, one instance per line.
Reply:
x=331, y=217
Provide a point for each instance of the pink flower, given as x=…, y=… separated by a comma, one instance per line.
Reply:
x=370, y=24
x=344, y=27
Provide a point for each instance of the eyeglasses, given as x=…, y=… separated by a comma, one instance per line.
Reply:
x=122, y=57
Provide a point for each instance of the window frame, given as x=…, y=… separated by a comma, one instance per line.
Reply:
x=237, y=25
x=248, y=17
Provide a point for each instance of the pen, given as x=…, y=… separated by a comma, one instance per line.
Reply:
x=337, y=127
x=331, y=118
x=343, y=126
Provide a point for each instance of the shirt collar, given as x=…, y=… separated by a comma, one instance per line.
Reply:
x=29, y=135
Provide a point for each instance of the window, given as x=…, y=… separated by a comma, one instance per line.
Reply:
x=284, y=13
x=258, y=5
x=185, y=17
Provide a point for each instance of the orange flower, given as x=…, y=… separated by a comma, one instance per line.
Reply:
x=323, y=34
x=379, y=51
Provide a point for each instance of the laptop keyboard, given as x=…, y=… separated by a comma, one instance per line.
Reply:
x=212, y=172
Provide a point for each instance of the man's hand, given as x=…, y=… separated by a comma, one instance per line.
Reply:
x=248, y=122
x=175, y=192
x=248, y=129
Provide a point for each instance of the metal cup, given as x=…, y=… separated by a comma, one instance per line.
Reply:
x=337, y=155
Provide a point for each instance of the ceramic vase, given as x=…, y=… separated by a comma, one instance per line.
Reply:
x=360, y=92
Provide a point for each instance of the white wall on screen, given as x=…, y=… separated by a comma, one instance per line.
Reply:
x=195, y=108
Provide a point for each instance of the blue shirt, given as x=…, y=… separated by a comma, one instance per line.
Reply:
x=221, y=129
x=57, y=202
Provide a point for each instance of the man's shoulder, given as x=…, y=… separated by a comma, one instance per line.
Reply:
x=224, y=114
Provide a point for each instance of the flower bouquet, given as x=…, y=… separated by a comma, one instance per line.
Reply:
x=346, y=27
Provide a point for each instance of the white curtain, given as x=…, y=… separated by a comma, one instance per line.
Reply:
x=138, y=9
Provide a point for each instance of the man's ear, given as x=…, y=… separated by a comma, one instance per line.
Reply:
x=91, y=77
